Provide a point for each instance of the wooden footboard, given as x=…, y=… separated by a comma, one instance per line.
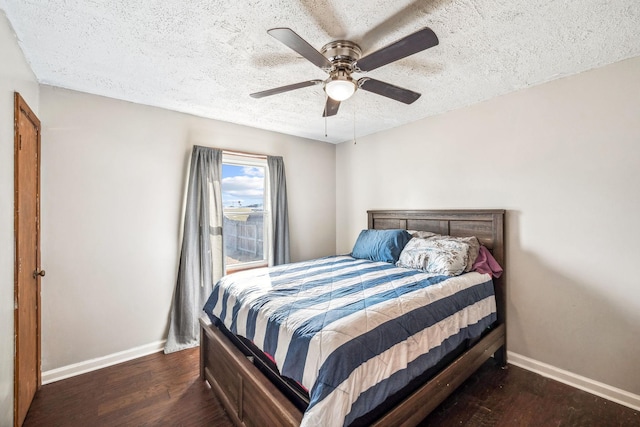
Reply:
x=249, y=397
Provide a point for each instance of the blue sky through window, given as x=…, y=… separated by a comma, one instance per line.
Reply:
x=242, y=186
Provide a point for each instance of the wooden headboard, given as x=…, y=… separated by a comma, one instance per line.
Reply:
x=486, y=224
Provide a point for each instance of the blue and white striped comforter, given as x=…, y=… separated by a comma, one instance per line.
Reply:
x=352, y=331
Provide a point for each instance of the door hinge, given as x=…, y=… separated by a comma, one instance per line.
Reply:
x=20, y=142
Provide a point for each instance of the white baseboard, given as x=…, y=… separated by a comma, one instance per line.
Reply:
x=68, y=371
x=590, y=386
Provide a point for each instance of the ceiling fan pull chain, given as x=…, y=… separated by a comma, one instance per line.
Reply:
x=354, y=125
x=325, y=125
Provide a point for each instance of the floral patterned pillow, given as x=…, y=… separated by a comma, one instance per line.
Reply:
x=445, y=257
x=474, y=247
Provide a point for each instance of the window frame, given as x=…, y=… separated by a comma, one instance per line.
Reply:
x=240, y=160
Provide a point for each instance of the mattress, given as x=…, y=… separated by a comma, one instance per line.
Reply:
x=352, y=332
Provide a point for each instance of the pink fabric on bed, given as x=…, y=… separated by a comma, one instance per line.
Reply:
x=486, y=263
x=270, y=357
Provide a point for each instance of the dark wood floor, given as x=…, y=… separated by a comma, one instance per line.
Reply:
x=165, y=390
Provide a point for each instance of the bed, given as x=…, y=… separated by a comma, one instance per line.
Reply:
x=254, y=394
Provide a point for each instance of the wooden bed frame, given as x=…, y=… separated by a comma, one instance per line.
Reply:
x=250, y=399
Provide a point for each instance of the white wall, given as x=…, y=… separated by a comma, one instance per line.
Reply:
x=15, y=76
x=112, y=190
x=564, y=159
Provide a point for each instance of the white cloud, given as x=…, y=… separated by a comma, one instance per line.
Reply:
x=253, y=171
x=243, y=187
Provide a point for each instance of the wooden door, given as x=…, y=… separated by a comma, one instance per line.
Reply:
x=27, y=252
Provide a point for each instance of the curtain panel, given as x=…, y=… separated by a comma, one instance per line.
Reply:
x=201, y=257
x=279, y=211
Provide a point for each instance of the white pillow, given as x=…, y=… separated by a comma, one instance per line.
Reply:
x=445, y=257
x=474, y=247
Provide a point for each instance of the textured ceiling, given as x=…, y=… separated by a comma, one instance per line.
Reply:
x=205, y=57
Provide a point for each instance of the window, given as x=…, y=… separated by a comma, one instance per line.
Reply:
x=245, y=226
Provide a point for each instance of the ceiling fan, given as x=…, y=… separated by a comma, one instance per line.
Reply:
x=341, y=58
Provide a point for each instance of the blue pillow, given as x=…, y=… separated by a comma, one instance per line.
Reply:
x=380, y=245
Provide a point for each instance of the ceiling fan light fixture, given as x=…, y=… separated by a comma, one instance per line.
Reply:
x=340, y=86
x=340, y=90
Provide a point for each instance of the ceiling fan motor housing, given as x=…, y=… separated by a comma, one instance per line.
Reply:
x=343, y=54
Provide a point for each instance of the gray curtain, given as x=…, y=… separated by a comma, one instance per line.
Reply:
x=201, y=257
x=279, y=212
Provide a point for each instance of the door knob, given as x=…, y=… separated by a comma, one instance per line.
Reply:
x=38, y=273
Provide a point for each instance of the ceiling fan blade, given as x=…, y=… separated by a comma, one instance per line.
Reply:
x=331, y=107
x=287, y=88
x=413, y=43
x=300, y=45
x=390, y=91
